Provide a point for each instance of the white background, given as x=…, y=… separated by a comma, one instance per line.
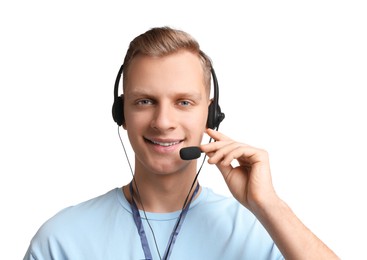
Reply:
x=292, y=76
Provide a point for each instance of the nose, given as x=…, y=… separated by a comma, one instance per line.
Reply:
x=164, y=117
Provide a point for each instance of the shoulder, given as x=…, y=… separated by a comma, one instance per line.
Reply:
x=75, y=228
x=77, y=217
x=84, y=230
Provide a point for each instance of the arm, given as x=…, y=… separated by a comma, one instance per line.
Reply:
x=250, y=183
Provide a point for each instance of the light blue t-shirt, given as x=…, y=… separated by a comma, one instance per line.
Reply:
x=216, y=227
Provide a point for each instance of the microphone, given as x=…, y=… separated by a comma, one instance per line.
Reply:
x=190, y=153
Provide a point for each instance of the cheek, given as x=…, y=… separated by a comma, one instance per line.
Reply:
x=135, y=120
x=195, y=130
x=196, y=122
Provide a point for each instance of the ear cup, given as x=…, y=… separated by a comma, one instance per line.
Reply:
x=210, y=123
x=118, y=110
x=215, y=116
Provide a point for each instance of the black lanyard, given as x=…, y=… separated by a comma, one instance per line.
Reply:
x=175, y=231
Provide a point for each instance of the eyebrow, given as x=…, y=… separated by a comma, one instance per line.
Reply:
x=143, y=93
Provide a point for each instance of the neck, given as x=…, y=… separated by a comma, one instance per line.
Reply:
x=161, y=193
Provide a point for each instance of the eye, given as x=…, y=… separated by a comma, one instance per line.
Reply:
x=184, y=103
x=144, y=102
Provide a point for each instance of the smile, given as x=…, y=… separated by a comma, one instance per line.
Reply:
x=165, y=144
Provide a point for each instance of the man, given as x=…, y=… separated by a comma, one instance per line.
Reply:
x=164, y=213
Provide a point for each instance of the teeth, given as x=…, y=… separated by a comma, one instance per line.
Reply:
x=165, y=144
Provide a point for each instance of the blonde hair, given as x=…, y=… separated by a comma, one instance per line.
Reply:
x=162, y=41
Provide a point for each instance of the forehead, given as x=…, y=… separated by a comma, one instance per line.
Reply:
x=182, y=71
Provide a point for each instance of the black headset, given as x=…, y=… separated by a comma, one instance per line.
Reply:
x=215, y=115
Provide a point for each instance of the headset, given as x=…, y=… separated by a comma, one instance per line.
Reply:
x=215, y=115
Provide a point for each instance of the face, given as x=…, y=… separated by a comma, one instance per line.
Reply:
x=166, y=108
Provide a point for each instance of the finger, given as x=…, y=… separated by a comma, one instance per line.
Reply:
x=214, y=146
x=221, y=151
x=244, y=154
x=225, y=152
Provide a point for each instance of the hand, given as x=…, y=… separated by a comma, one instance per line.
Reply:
x=250, y=181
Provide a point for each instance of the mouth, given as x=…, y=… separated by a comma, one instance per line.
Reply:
x=164, y=143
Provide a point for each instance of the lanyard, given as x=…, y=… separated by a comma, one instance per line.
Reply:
x=175, y=231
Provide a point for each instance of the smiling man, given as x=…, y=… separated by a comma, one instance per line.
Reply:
x=166, y=107
x=163, y=213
